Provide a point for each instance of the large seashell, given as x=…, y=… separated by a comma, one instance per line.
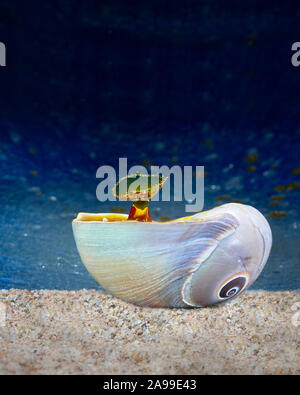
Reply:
x=199, y=260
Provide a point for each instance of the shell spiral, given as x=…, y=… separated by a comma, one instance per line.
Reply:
x=200, y=260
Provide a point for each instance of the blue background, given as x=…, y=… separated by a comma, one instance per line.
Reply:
x=160, y=82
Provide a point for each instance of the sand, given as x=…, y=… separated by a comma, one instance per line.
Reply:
x=90, y=332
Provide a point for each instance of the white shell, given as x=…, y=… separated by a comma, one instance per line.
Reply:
x=194, y=261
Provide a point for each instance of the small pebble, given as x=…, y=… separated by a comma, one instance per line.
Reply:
x=117, y=210
x=296, y=171
x=287, y=187
x=277, y=214
x=164, y=219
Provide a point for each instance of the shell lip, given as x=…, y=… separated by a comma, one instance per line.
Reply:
x=105, y=218
x=232, y=277
x=100, y=218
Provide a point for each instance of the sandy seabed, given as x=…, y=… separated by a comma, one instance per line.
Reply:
x=90, y=332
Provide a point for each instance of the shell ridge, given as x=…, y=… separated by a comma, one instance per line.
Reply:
x=226, y=227
x=192, y=248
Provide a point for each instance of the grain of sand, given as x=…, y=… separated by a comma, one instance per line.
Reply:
x=90, y=332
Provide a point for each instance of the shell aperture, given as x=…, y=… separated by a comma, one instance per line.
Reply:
x=232, y=287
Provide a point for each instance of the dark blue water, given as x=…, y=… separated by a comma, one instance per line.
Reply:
x=161, y=83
